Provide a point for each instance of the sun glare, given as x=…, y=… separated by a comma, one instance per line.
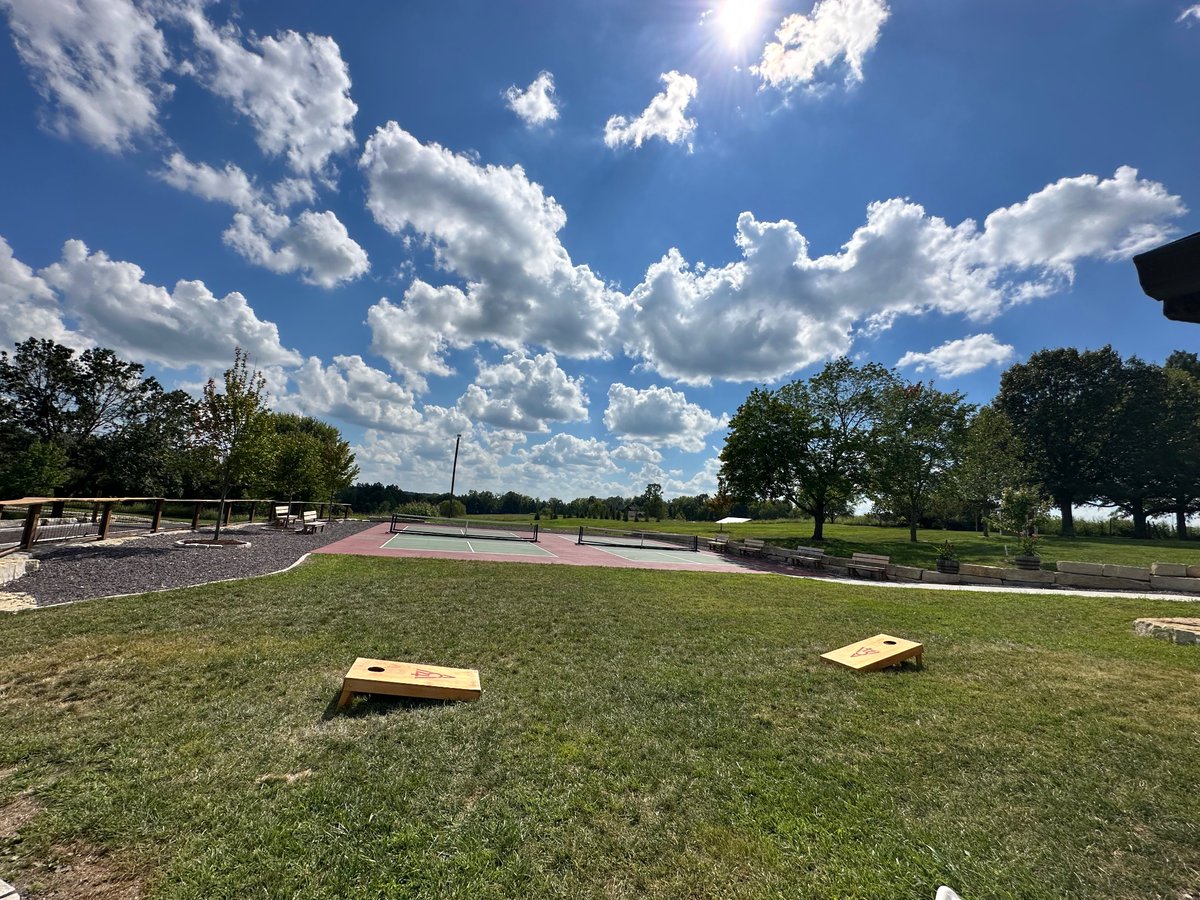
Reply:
x=738, y=20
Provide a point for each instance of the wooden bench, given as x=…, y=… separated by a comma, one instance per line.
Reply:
x=752, y=547
x=309, y=523
x=870, y=565
x=719, y=543
x=809, y=557
x=281, y=516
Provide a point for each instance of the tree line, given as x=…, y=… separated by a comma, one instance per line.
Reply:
x=1071, y=427
x=92, y=424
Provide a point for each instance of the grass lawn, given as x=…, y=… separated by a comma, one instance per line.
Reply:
x=641, y=734
x=843, y=540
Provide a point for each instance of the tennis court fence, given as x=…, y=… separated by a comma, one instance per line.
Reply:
x=647, y=540
x=439, y=526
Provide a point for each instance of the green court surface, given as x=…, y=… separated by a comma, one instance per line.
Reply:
x=463, y=545
x=679, y=557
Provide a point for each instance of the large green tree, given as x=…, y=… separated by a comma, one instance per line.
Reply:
x=86, y=407
x=919, y=442
x=992, y=460
x=1179, y=432
x=811, y=443
x=1063, y=405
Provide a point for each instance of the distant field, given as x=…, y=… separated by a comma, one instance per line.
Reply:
x=641, y=734
x=843, y=540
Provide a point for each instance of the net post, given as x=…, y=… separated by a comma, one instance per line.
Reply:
x=580, y=541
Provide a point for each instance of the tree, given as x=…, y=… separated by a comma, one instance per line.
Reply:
x=37, y=471
x=1138, y=471
x=920, y=439
x=233, y=428
x=810, y=444
x=652, y=502
x=1062, y=405
x=88, y=406
x=992, y=460
x=1180, y=436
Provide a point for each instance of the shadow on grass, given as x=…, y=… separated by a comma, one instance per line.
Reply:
x=363, y=705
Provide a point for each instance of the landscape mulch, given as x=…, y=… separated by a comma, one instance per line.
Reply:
x=81, y=571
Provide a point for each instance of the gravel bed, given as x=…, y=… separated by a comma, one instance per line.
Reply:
x=80, y=571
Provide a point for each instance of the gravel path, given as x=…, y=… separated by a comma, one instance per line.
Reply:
x=133, y=565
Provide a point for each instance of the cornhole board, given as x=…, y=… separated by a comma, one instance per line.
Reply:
x=877, y=652
x=402, y=679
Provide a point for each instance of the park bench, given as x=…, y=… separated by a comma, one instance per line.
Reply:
x=282, y=516
x=309, y=523
x=809, y=557
x=869, y=564
x=719, y=543
x=752, y=547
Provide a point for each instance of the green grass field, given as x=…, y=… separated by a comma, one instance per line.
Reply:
x=843, y=540
x=641, y=734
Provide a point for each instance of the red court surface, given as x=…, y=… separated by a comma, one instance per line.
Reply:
x=552, y=549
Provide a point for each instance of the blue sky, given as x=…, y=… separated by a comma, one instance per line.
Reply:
x=579, y=234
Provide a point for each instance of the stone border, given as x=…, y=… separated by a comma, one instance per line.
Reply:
x=1178, y=631
x=1157, y=578
x=196, y=544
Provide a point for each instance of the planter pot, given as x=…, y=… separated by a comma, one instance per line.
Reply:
x=948, y=566
x=1029, y=563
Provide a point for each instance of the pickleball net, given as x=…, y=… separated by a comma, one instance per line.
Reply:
x=438, y=526
x=642, y=540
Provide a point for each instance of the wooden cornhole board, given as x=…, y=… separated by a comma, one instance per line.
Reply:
x=877, y=652
x=402, y=679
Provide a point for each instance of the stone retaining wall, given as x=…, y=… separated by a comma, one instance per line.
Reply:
x=1173, y=577
x=15, y=565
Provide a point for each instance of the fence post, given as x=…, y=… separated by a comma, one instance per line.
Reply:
x=158, y=508
x=105, y=519
x=56, y=508
x=251, y=516
x=29, y=534
x=195, y=517
x=227, y=512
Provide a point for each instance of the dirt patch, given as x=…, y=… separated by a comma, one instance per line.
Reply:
x=16, y=815
x=76, y=873
x=284, y=777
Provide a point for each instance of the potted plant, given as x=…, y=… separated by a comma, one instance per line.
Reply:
x=1028, y=557
x=947, y=559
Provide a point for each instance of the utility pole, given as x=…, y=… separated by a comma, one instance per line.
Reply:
x=454, y=471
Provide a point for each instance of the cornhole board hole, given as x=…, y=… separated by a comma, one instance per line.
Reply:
x=877, y=652
x=402, y=679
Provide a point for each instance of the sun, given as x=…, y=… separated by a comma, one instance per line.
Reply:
x=738, y=20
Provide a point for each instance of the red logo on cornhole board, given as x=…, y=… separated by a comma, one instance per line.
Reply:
x=422, y=673
x=863, y=651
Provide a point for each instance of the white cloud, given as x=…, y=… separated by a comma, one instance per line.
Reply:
x=658, y=416
x=1112, y=218
x=315, y=244
x=631, y=451
x=566, y=452
x=28, y=307
x=535, y=105
x=351, y=391
x=497, y=231
x=1192, y=12
x=834, y=30
x=295, y=90
x=960, y=357
x=187, y=326
x=228, y=185
x=97, y=63
x=665, y=117
x=778, y=309
x=524, y=393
